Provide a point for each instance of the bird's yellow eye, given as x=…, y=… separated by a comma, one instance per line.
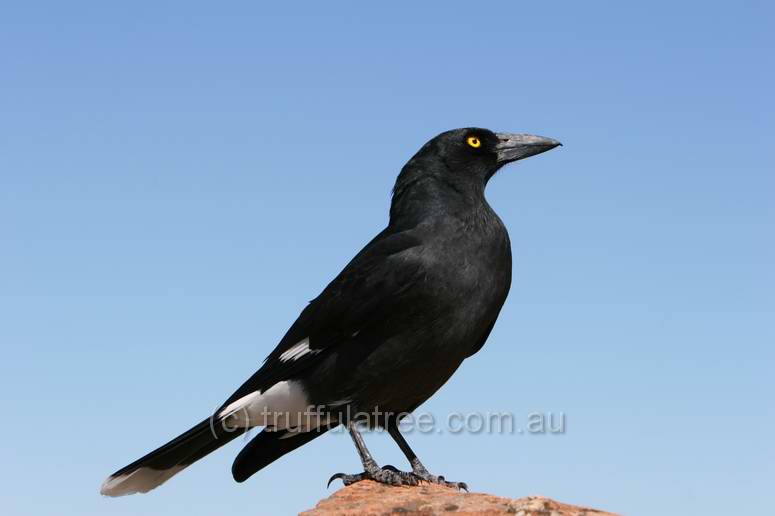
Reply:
x=474, y=142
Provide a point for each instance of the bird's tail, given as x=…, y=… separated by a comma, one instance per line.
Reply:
x=268, y=446
x=163, y=463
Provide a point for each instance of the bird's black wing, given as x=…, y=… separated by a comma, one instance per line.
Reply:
x=379, y=276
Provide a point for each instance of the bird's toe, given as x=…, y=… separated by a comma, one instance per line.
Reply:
x=347, y=479
x=440, y=480
x=395, y=477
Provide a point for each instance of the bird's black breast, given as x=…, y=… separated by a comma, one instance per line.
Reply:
x=474, y=277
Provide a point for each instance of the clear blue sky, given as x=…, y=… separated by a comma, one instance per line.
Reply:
x=178, y=179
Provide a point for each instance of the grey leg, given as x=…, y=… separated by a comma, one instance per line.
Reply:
x=418, y=469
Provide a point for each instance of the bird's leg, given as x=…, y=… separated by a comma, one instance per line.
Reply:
x=418, y=470
x=386, y=475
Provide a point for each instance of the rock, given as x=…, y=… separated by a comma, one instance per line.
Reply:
x=369, y=497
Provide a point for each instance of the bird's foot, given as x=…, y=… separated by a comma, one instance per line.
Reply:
x=419, y=472
x=393, y=476
x=389, y=475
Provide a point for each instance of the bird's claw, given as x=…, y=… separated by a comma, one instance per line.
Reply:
x=346, y=479
x=333, y=477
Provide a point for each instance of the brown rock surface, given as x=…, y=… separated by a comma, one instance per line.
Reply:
x=369, y=497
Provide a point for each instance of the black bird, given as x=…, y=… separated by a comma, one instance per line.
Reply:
x=385, y=334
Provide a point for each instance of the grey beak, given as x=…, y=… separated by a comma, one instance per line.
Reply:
x=513, y=147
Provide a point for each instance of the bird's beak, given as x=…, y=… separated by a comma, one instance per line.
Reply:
x=513, y=147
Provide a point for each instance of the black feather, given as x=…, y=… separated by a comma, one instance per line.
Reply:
x=266, y=448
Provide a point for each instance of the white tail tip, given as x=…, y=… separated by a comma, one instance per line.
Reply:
x=140, y=480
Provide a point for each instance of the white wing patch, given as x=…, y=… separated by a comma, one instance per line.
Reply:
x=297, y=351
x=283, y=405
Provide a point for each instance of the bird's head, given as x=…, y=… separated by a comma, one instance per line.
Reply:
x=465, y=159
x=480, y=152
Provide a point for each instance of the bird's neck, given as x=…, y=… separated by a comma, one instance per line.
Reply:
x=427, y=197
